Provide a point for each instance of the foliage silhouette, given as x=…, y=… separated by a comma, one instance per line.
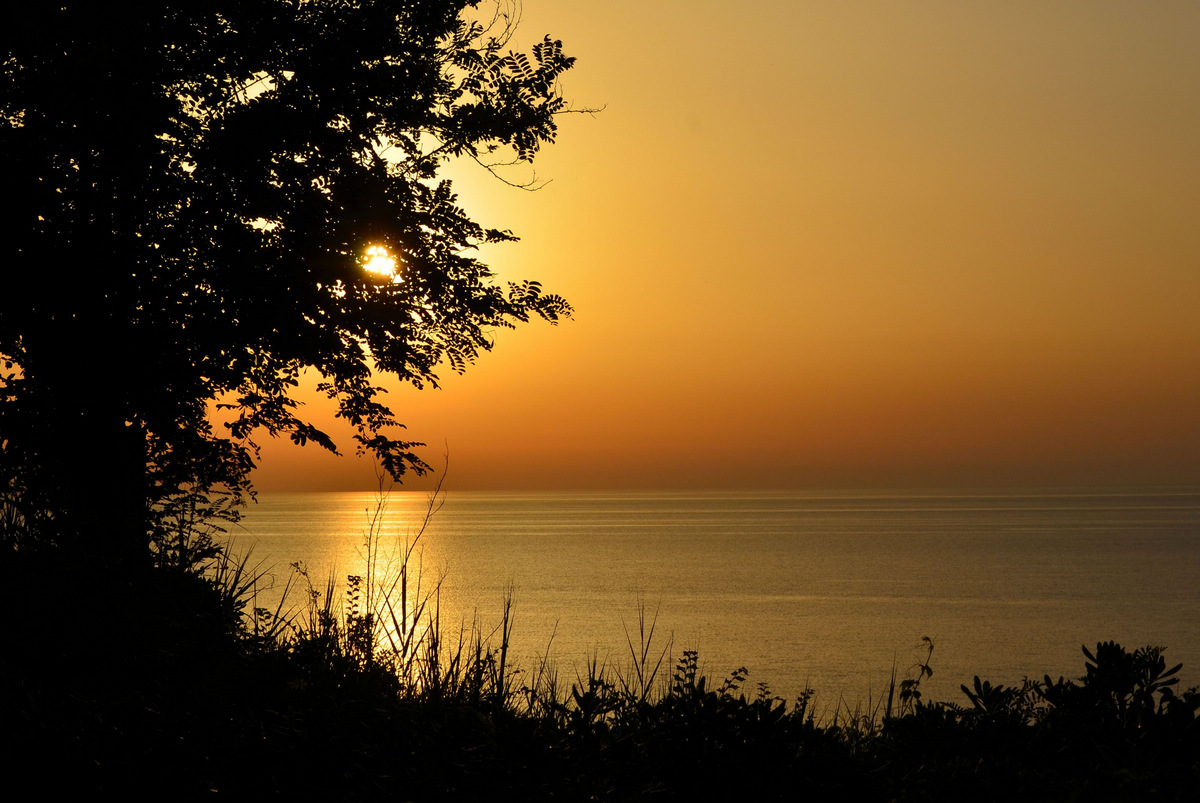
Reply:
x=1117, y=733
x=196, y=185
x=186, y=693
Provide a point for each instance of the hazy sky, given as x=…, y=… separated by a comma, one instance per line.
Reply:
x=841, y=244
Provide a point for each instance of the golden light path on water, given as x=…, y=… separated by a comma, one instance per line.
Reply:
x=827, y=590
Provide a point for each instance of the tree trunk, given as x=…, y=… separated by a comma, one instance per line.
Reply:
x=90, y=455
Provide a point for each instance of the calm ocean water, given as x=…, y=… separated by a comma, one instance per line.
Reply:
x=824, y=589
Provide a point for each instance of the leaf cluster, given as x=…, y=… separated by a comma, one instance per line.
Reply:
x=1119, y=732
x=197, y=184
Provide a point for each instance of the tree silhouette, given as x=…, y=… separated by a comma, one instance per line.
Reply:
x=196, y=185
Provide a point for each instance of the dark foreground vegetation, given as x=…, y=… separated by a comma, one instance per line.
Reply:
x=200, y=184
x=165, y=681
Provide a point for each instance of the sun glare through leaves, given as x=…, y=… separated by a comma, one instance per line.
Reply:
x=377, y=260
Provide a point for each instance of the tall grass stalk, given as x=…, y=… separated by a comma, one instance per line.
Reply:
x=638, y=683
x=389, y=619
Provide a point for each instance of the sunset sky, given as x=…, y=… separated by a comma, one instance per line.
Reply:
x=856, y=244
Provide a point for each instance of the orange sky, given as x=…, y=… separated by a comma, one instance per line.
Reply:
x=841, y=244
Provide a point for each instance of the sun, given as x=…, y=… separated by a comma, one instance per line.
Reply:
x=378, y=261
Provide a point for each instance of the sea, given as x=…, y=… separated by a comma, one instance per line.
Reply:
x=833, y=591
